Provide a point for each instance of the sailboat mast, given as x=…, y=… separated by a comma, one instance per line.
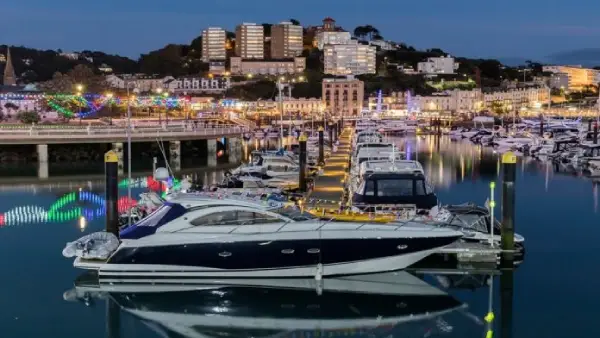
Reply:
x=128, y=153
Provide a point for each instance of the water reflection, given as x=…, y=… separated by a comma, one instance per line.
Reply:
x=373, y=305
x=381, y=305
x=81, y=201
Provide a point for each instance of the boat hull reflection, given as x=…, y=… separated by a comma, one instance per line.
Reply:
x=233, y=307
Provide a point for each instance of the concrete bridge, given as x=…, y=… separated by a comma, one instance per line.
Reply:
x=71, y=134
x=42, y=136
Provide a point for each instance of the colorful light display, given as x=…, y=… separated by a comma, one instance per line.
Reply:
x=81, y=203
x=69, y=207
x=89, y=104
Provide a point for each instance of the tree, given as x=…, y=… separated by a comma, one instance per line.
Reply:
x=165, y=61
x=28, y=117
x=498, y=108
x=295, y=22
x=80, y=75
x=360, y=32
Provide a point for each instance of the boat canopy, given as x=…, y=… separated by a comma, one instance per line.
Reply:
x=148, y=226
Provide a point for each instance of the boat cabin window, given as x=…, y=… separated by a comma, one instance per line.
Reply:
x=396, y=187
x=234, y=217
x=370, y=188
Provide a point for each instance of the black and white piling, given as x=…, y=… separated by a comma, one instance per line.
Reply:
x=111, y=170
x=509, y=163
x=302, y=178
x=321, y=147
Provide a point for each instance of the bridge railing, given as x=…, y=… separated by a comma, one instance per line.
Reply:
x=120, y=132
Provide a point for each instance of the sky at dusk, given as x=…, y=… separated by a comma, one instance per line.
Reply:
x=473, y=28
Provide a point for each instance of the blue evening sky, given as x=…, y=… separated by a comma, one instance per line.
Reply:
x=475, y=28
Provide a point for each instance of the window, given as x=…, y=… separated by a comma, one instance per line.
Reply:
x=420, y=189
x=370, y=188
x=395, y=187
x=234, y=217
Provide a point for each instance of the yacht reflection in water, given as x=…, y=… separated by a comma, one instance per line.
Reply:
x=366, y=304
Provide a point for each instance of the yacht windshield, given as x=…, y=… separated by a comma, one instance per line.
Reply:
x=164, y=214
x=395, y=187
x=294, y=213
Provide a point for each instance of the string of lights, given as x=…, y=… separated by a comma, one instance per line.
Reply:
x=81, y=203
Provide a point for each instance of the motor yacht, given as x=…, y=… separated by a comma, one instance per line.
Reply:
x=227, y=238
x=392, y=185
x=474, y=222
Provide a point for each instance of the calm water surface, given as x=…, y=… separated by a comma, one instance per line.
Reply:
x=552, y=294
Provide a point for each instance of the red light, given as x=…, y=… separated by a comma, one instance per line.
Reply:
x=1, y=220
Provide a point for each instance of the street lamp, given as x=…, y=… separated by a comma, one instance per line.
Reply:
x=109, y=96
x=79, y=88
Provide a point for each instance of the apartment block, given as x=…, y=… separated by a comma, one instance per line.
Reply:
x=250, y=41
x=349, y=59
x=286, y=40
x=213, y=44
x=239, y=66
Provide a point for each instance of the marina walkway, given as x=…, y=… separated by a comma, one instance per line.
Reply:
x=328, y=189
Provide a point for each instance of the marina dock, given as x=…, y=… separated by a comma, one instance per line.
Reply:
x=328, y=190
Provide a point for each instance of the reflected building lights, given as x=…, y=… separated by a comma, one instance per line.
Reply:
x=462, y=167
x=82, y=223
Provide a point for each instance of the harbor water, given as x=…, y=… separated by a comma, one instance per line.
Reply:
x=552, y=293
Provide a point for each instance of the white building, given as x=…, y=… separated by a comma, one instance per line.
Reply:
x=470, y=101
x=138, y=83
x=383, y=45
x=438, y=65
x=71, y=56
x=286, y=40
x=349, y=59
x=559, y=81
x=239, y=66
x=332, y=38
x=250, y=41
x=188, y=85
x=579, y=77
x=515, y=99
x=213, y=44
x=104, y=68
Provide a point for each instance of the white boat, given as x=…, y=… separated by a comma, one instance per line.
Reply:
x=397, y=185
x=227, y=238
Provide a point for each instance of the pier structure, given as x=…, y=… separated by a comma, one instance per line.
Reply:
x=328, y=191
x=115, y=139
